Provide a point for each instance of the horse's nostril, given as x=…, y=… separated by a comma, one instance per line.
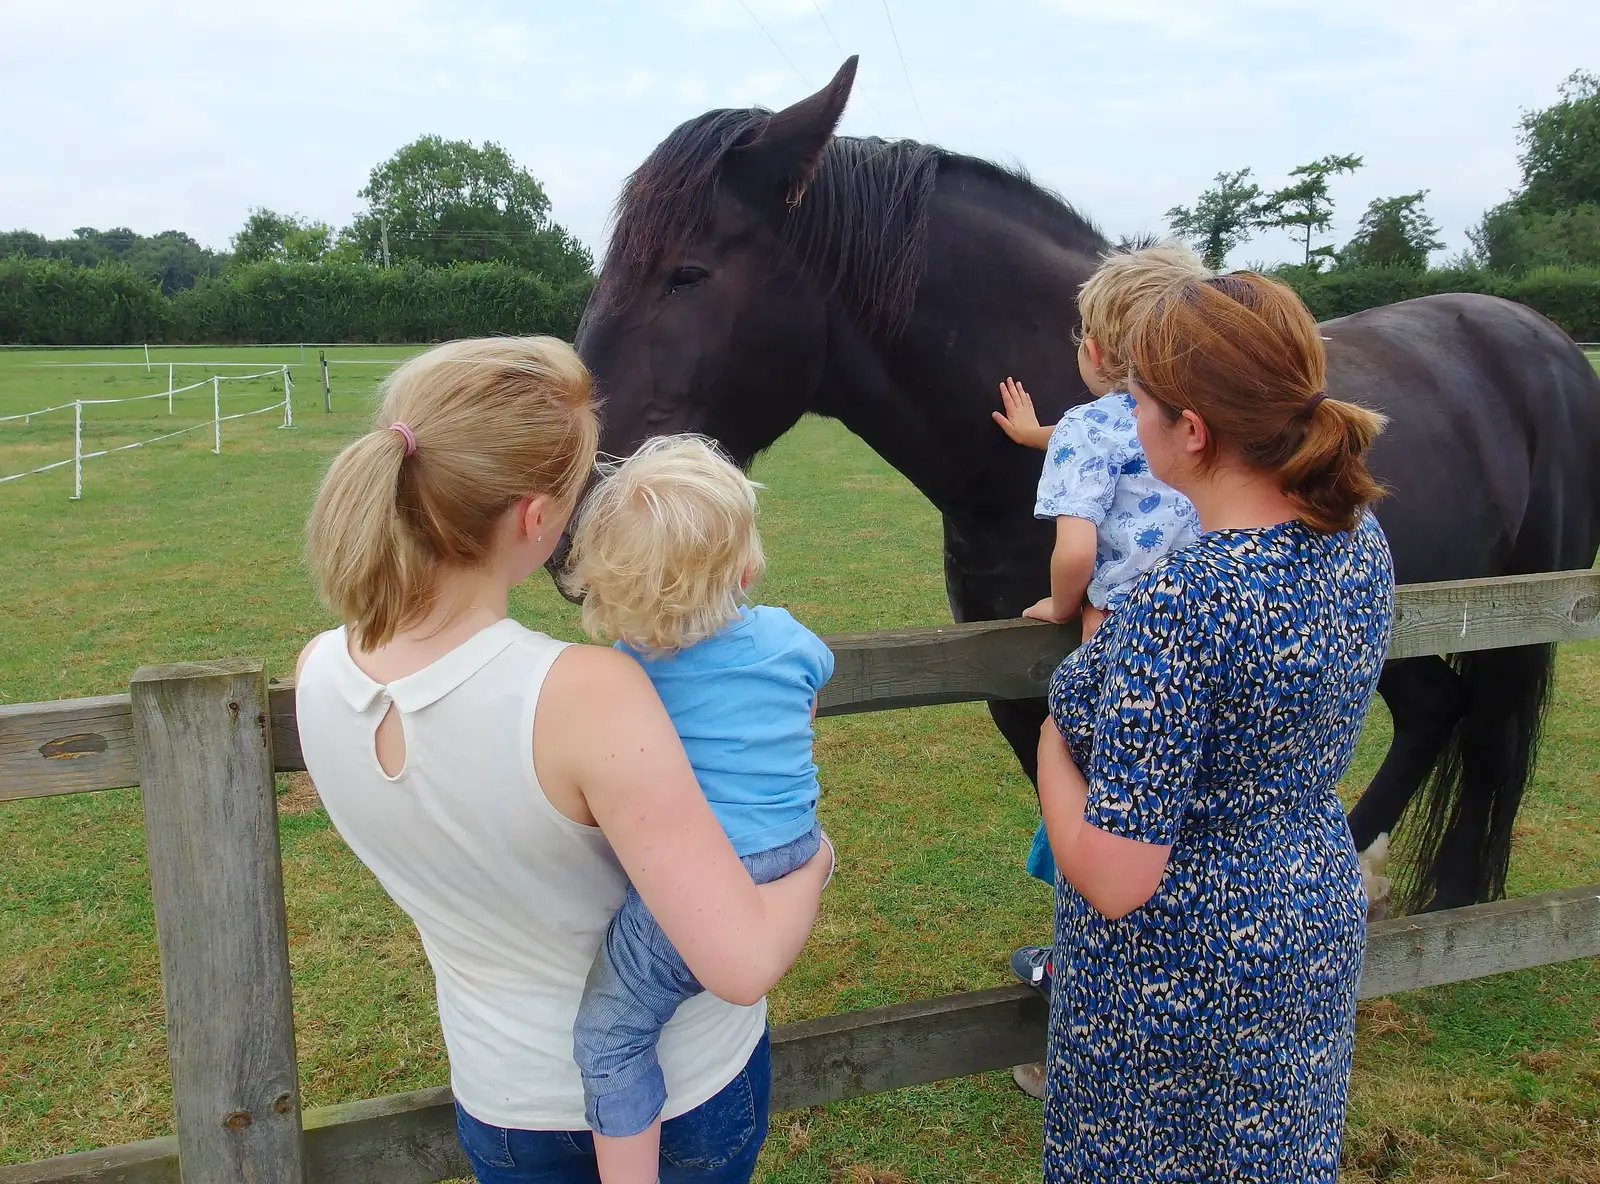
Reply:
x=556, y=565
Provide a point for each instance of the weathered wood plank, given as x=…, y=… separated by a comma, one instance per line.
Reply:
x=286, y=756
x=872, y=672
x=216, y=877
x=151, y=1161
x=1465, y=615
x=867, y=1052
x=1457, y=945
x=410, y=1138
x=69, y=746
x=955, y=664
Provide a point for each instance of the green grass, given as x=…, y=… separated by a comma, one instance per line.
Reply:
x=174, y=553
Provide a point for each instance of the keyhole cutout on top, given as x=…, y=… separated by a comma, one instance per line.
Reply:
x=389, y=743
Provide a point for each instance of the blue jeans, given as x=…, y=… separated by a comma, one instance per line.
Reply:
x=715, y=1143
x=636, y=983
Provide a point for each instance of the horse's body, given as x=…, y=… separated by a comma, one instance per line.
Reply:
x=762, y=269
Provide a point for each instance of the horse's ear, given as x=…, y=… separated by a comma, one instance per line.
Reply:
x=786, y=152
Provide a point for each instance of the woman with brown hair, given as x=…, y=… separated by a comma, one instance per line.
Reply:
x=1210, y=917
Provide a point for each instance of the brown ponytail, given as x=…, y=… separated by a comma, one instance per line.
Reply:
x=494, y=420
x=1243, y=354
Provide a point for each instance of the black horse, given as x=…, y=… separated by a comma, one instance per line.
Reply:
x=762, y=268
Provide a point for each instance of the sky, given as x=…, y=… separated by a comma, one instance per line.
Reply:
x=184, y=115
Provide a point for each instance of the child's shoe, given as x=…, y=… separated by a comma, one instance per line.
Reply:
x=1031, y=964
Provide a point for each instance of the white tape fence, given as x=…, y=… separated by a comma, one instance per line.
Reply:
x=285, y=404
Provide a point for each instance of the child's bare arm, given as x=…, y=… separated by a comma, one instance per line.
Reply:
x=1019, y=420
x=1071, y=568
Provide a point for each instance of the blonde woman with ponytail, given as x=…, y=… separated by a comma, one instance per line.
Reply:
x=505, y=788
x=1210, y=916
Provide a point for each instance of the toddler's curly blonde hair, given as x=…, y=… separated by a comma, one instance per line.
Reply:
x=665, y=546
x=1126, y=286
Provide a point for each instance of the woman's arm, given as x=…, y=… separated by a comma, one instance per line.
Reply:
x=600, y=732
x=1114, y=874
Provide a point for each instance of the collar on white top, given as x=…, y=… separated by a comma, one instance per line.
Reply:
x=428, y=685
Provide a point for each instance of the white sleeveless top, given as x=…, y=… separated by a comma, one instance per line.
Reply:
x=509, y=895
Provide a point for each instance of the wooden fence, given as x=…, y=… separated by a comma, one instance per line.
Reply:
x=204, y=739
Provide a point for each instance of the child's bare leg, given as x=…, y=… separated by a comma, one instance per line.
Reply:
x=1093, y=618
x=635, y=1159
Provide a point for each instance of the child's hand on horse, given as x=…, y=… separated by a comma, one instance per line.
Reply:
x=1019, y=420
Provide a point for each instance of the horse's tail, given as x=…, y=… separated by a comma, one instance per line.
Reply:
x=1472, y=797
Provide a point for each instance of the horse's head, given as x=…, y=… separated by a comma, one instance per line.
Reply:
x=704, y=318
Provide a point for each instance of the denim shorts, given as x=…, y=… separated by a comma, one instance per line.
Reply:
x=715, y=1143
x=1041, y=863
x=637, y=982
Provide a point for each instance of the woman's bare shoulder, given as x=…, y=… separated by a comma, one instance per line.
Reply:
x=586, y=670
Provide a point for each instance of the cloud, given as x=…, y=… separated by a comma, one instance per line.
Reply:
x=1127, y=108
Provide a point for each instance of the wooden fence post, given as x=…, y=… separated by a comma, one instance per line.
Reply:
x=204, y=736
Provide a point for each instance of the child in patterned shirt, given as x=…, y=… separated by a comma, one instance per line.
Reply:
x=1114, y=520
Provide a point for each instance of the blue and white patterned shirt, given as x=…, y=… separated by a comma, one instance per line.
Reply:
x=1095, y=469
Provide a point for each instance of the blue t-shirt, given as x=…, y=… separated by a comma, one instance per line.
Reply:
x=1094, y=469
x=741, y=702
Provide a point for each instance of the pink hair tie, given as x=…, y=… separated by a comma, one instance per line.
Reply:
x=411, y=441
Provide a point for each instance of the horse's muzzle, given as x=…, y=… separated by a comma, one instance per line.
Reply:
x=556, y=565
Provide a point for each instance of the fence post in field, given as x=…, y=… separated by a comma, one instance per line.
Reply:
x=147, y=359
x=288, y=407
x=77, y=450
x=327, y=391
x=204, y=736
x=169, y=388
x=216, y=412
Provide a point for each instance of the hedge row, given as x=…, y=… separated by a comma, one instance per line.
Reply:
x=47, y=302
x=1569, y=297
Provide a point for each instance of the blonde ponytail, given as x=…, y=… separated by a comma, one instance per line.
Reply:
x=493, y=420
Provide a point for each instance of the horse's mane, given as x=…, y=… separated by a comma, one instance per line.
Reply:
x=860, y=226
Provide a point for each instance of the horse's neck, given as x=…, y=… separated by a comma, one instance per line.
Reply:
x=997, y=300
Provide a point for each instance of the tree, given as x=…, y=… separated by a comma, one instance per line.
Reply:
x=1516, y=241
x=1394, y=232
x=1221, y=219
x=446, y=201
x=1554, y=219
x=1561, y=149
x=286, y=238
x=1304, y=206
x=171, y=259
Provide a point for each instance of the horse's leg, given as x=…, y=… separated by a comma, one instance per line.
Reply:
x=1474, y=796
x=1426, y=701
x=1425, y=698
x=1018, y=721
x=992, y=579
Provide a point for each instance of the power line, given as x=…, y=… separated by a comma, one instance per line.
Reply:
x=842, y=53
x=903, y=69
x=774, y=41
x=828, y=27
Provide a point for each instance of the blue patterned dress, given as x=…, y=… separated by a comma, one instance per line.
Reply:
x=1206, y=1036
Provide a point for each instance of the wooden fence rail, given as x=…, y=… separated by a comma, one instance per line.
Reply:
x=79, y=745
x=203, y=739
x=411, y=1138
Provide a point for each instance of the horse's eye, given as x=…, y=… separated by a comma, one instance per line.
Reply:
x=686, y=277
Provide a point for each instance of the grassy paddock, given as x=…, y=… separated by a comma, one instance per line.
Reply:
x=174, y=553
